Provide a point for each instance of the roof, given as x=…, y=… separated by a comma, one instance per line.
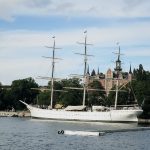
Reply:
x=98, y=107
x=75, y=108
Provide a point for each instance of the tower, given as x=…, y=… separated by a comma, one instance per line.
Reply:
x=130, y=71
x=130, y=74
x=118, y=68
x=118, y=63
x=88, y=72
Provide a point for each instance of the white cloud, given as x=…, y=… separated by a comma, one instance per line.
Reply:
x=143, y=52
x=21, y=51
x=19, y=39
x=98, y=8
x=129, y=34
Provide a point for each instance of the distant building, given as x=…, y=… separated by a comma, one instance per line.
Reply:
x=108, y=80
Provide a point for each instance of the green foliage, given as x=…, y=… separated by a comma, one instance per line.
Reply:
x=58, y=85
x=142, y=92
x=96, y=97
x=141, y=84
x=64, y=96
x=43, y=98
x=5, y=101
x=146, y=104
x=139, y=90
x=140, y=74
x=71, y=97
x=146, y=108
x=123, y=97
x=0, y=94
x=20, y=90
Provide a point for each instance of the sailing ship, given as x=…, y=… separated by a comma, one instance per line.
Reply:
x=81, y=113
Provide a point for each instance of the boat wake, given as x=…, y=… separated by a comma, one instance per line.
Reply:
x=99, y=133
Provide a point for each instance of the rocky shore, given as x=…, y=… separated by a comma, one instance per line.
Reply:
x=14, y=114
x=143, y=121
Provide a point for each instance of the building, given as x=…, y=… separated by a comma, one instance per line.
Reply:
x=109, y=79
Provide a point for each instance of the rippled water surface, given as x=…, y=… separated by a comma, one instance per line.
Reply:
x=30, y=134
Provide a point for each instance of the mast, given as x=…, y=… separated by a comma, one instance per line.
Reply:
x=118, y=69
x=118, y=62
x=116, y=97
x=85, y=67
x=85, y=70
x=52, y=73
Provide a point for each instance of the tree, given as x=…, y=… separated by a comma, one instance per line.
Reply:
x=44, y=98
x=0, y=95
x=71, y=96
x=122, y=97
x=126, y=96
x=146, y=107
x=139, y=89
x=140, y=74
x=62, y=96
x=58, y=88
x=141, y=84
x=7, y=100
x=93, y=73
x=96, y=97
x=21, y=90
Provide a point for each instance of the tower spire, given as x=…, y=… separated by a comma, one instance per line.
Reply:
x=98, y=71
x=118, y=61
x=119, y=53
x=88, y=72
x=130, y=71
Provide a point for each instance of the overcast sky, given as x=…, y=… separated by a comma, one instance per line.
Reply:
x=27, y=26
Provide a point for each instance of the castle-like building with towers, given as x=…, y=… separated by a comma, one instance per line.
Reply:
x=109, y=80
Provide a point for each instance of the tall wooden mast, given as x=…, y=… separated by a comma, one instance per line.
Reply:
x=85, y=67
x=118, y=69
x=53, y=69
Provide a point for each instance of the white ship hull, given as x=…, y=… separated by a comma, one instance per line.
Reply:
x=87, y=116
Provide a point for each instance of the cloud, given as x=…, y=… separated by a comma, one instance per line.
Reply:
x=22, y=38
x=138, y=52
x=21, y=50
x=20, y=68
x=127, y=34
x=98, y=8
x=36, y=3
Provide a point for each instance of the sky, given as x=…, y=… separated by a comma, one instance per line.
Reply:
x=27, y=27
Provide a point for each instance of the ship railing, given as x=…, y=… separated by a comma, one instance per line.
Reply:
x=126, y=107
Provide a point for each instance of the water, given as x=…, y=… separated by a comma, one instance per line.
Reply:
x=30, y=134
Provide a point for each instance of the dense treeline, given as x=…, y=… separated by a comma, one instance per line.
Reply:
x=23, y=90
x=20, y=90
x=141, y=86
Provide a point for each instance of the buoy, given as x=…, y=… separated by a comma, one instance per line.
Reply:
x=61, y=132
x=81, y=133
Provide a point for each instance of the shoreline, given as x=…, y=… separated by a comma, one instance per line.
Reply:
x=15, y=114
x=143, y=121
